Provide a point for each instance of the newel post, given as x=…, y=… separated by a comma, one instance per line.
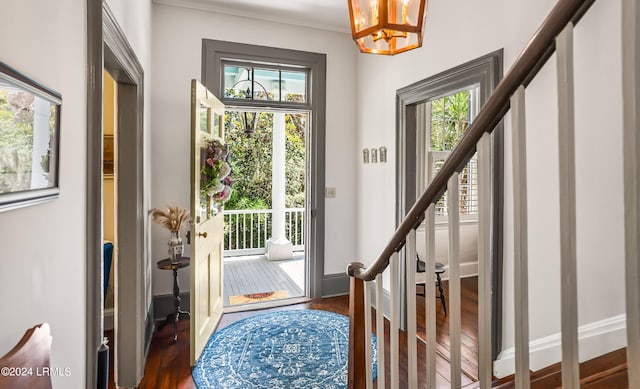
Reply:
x=357, y=360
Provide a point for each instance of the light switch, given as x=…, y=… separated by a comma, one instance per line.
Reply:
x=330, y=193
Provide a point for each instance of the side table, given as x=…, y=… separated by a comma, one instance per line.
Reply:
x=166, y=264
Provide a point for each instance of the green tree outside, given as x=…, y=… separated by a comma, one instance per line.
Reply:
x=251, y=159
x=450, y=120
x=16, y=140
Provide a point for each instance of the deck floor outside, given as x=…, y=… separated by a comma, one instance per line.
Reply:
x=256, y=274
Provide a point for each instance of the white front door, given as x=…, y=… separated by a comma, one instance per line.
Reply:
x=207, y=227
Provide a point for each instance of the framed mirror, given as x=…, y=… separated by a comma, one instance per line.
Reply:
x=29, y=140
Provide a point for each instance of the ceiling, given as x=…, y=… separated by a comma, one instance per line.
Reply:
x=330, y=15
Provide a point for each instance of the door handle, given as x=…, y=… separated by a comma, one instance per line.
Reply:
x=202, y=234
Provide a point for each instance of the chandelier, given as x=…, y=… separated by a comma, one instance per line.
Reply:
x=387, y=26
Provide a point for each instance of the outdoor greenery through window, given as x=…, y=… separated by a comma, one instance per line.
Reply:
x=246, y=82
x=249, y=136
x=266, y=124
x=451, y=117
x=27, y=130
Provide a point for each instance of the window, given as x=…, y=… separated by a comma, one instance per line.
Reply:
x=244, y=81
x=450, y=117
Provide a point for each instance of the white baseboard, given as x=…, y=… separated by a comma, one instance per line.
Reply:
x=467, y=269
x=108, y=319
x=595, y=339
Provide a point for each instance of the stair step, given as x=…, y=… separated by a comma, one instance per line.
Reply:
x=604, y=372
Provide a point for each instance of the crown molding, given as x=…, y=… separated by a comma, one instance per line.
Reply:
x=200, y=6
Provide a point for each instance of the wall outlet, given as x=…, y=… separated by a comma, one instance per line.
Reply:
x=330, y=193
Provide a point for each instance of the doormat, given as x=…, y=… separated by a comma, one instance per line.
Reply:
x=299, y=349
x=258, y=297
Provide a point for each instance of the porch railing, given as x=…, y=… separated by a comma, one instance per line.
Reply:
x=247, y=230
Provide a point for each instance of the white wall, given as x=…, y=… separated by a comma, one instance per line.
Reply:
x=177, y=46
x=43, y=260
x=458, y=31
x=468, y=258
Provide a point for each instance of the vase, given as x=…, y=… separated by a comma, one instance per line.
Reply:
x=214, y=206
x=176, y=247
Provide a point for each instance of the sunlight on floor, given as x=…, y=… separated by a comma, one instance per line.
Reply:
x=295, y=269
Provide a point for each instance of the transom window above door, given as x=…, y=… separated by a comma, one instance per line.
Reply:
x=258, y=82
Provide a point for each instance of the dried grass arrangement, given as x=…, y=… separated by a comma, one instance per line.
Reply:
x=175, y=218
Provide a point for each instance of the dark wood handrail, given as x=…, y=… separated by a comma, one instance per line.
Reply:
x=527, y=65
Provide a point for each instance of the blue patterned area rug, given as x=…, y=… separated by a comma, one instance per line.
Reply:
x=303, y=349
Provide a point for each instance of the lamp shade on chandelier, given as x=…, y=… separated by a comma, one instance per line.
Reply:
x=387, y=26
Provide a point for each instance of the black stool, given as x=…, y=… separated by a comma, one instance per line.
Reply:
x=440, y=268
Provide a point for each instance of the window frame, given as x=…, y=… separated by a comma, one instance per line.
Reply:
x=487, y=71
x=214, y=52
x=253, y=65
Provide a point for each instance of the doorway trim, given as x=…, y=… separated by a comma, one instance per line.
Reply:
x=485, y=71
x=213, y=52
x=108, y=49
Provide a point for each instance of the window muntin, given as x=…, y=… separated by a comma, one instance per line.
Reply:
x=265, y=83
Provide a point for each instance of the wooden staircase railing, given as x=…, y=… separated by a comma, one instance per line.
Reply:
x=554, y=35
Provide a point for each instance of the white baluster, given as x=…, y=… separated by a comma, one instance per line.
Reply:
x=367, y=334
x=453, y=209
x=259, y=232
x=566, y=148
x=430, y=276
x=266, y=228
x=521, y=266
x=631, y=108
x=297, y=235
x=251, y=244
x=430, y=294
x=244, y=230
x=237, y=231
x=380, y=330
x=484, y=262
x=395, y=321
x=412, y=351
x=229, y=235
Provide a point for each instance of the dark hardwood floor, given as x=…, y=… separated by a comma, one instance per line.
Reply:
x=608, y=371
x=168, y=363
